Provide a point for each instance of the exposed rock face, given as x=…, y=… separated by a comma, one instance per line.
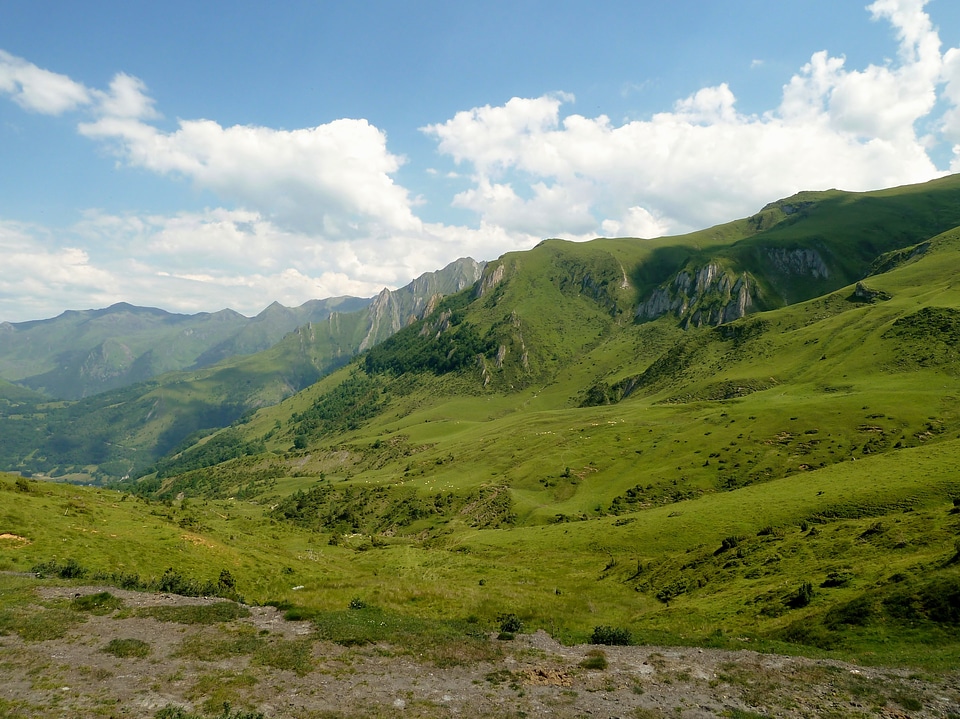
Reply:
x=491, y=279
x=709, y=295
x=391, y=311
x=804, y=262
x=862, y=293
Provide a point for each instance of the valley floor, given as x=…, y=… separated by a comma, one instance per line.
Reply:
x=275, y=668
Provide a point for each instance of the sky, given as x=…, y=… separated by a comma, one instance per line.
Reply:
x=198, y=156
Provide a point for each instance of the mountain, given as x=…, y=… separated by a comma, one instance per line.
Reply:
x=768, y=466
x=566, y=327
x=82, y=353
x=124, y=430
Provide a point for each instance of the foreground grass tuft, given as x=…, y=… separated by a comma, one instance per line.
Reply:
x=101, y=603
x=197, y=613
x=127, y=648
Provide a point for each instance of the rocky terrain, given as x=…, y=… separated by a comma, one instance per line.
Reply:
x=128, y=654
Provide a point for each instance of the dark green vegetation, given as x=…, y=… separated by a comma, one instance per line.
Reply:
x=594, y=441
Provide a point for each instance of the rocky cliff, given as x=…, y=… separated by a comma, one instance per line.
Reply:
x=706, y=295
x=392, y=310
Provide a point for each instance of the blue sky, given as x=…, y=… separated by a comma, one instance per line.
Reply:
x=195, y=156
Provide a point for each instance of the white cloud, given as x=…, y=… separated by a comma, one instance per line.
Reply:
x=39, y=90
x=317, y=211
x=333, y=179
x=704, y=162
x=636, y=222
x=127, y=98
x=40, y=279
x=218, y=258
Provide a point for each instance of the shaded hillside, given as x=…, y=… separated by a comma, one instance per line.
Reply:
x=792, y=250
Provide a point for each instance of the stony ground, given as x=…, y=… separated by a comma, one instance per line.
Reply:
x=73, y=675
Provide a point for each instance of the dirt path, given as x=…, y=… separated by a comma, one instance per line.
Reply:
x=275, y=667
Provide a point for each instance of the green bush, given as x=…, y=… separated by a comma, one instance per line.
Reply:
x=612, y=636
x=70, y=569
x=802, y=597
x=510, y=623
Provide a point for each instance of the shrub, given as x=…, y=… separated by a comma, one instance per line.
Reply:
x=728, y=543
x=595, y=659
x=510, y=623
x=612, y=636
x=70, y=569
x=837, y=579
x=802, y=597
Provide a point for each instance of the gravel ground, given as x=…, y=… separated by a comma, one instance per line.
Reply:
x=533, y=675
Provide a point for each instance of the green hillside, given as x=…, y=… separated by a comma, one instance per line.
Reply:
x=537, y=446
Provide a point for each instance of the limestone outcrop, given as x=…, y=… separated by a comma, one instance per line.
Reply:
x=708, y=295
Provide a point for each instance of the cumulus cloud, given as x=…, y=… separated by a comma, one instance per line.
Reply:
x=704, y=162
x=317, y=211
x=333, y=178
x=41, y=278
x=39, y=90
x=202, y=261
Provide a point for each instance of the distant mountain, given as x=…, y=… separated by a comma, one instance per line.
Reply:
x=127, y=428
x=550, y=392
x=81, y=353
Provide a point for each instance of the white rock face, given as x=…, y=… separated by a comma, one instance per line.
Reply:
x=709, y=295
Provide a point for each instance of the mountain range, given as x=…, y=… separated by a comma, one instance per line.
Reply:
x=170, y=375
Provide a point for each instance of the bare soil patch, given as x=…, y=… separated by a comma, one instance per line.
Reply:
x=262, y=663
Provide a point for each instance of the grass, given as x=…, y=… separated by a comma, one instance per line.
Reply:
x=100, y=603
x=596, y=660
x=821, y=436
x=127, y=648
x=442, y=642
x=214, y=613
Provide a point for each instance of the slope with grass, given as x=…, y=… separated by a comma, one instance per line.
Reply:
x=783, y=481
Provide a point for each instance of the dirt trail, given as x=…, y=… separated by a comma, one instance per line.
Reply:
x=533, y=676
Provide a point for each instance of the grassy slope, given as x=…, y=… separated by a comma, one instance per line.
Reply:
x=833, y=453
